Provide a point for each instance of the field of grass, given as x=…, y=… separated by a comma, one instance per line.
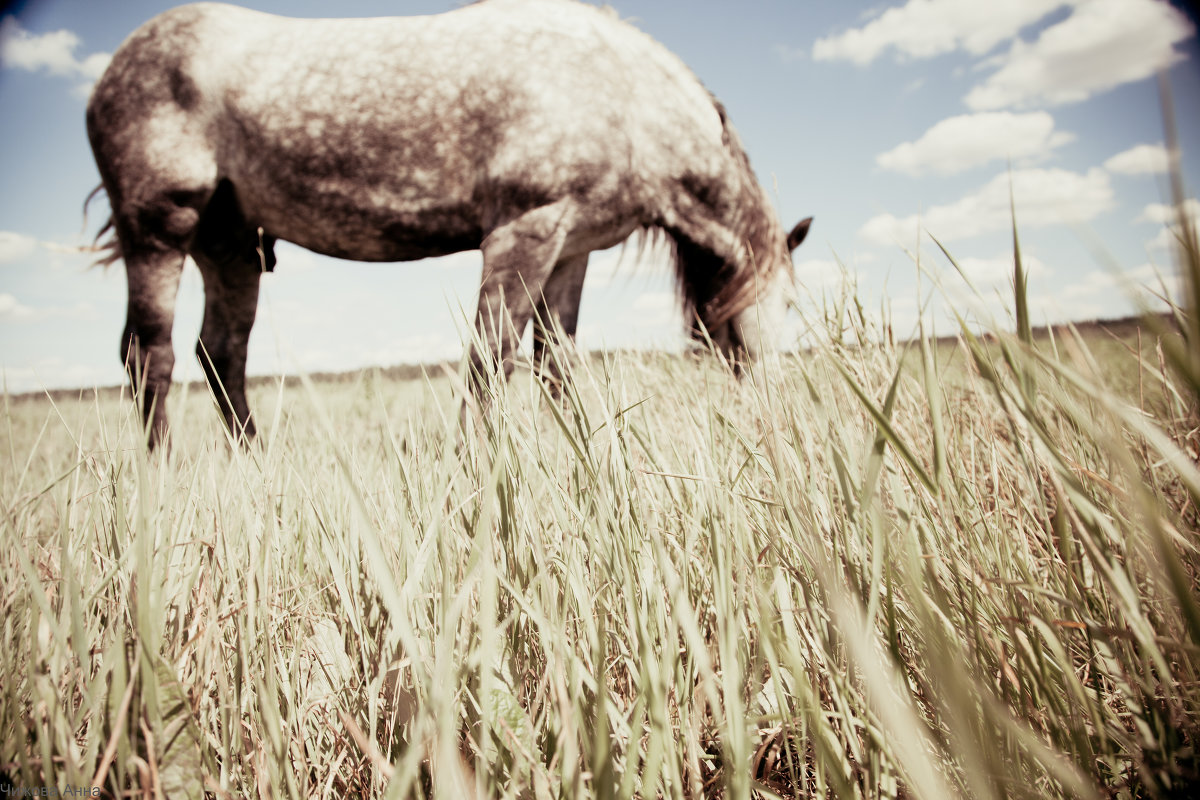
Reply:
x=960, y=569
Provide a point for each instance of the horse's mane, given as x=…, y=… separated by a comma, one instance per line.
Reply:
x=715, y=286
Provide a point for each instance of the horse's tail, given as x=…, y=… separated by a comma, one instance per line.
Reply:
x=110, y=248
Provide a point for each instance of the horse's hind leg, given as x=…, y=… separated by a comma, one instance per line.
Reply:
x=153, y=226
x=227, y=251
x=558, y=311
x=158, y=176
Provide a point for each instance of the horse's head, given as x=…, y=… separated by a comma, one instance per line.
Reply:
x=755, y=330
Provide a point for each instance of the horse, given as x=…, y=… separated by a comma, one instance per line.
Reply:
x=535, y=131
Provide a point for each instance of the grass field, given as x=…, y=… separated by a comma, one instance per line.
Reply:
x=955, y=569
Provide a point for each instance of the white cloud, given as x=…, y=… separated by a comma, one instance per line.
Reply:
x=1145, y=282
x=1102, y=44
x=16, y=246
x=984, y=272
x=94, y=65
x=1089, y=294
x=1166, y=242
x=888, y=229
x=960, y=143
x=1165, y=214
x=817, y=274
x=927, y=28
x=1142, y=159
x=54, y=373
x=1042, y=196
x=52, y=52
x=1163, y=242
x=13, y=309
x=54, y=255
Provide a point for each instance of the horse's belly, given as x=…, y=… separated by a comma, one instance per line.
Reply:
x=375, y=246
x=355, y=225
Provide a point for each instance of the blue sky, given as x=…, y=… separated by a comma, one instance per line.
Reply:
x=873, y=117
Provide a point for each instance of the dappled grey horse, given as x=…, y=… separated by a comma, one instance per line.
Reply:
x=533, y=130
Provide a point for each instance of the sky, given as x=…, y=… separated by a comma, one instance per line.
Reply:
x=881, y=120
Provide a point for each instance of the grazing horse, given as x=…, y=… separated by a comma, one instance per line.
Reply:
x=533, y=130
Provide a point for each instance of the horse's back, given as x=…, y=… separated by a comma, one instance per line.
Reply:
x=517, y=68
x=416, y=133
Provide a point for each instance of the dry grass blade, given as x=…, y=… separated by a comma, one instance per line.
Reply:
x=964, y=569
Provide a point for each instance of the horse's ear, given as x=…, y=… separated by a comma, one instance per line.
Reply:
x=798, y=233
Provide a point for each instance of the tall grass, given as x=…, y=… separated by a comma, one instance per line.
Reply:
x=863, y=571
